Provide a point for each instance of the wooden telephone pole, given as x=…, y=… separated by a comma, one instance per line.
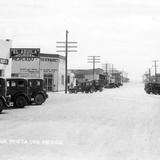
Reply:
x=66, y=48
x=93, y=60
x=155, y=68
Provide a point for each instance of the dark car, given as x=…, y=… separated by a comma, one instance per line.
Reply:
x=14, y=91
x=4, y=98
x=37, y=91
x=87, y=87
x=98, y=85
x=74, y=89
x=152, y=87
x=19, y=92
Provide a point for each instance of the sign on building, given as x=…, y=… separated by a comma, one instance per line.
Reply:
x=24, y=53
x=3, y=61
x=25, y=62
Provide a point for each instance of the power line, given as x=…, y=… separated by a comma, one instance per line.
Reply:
x=67, y=48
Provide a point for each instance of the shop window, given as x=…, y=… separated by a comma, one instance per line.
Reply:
x=62, y=79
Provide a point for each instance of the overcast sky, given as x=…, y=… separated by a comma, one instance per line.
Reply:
x=123, y=32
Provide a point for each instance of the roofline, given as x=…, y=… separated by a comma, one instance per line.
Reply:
x=52, y=55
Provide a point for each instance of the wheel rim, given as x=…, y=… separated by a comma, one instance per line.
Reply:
x=39, y=99
x=20, y=102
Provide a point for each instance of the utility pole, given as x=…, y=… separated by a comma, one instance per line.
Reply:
x=149, y=74
x=66, y=48
x=106, y=68
x=112, y=69
x=155, y=67
x=93, y=60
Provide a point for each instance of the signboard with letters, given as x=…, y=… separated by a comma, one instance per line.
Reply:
x=24, y=52
x=3, y=61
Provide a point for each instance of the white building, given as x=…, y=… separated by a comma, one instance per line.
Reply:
x=50, y=67
x=5, y=61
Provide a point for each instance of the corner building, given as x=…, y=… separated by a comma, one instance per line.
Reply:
x=50, y=67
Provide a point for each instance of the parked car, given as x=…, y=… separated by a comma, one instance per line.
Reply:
x=98, y=85
x=37, y=91
x=87, y=87
x=152, y=87
x=74, y=89
x=19, y=92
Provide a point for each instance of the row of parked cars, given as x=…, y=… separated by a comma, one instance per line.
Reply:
x=113, y=85
x=19, y=92
x=152, y=87
x=87, y=87
x=92, y=86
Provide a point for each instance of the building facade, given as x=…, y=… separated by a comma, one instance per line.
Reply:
x=52, y=70
x=5, y=61
x=50, y=67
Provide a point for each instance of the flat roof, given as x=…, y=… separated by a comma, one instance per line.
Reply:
x=52, y=55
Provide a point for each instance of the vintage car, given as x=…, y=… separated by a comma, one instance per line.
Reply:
x=152, y=87
x=98, y=85
x=20, y=92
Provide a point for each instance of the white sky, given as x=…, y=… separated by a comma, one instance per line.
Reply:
x=123, y=32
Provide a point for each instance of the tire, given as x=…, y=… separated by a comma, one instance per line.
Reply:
x=39, y=99
x=148, y=92
x=101, y=89
x=1, y=105
x=75, y=91
x=92, y=90
x=20, y=102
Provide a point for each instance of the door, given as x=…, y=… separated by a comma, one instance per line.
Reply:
x=48, y=82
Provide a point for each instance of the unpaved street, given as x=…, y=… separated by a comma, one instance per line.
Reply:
x=116, y=124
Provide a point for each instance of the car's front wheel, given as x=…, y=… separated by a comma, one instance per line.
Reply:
x=39, y=99
x=20, y=102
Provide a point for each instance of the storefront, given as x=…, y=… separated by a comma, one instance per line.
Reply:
x=52, y=69
x=30, y=63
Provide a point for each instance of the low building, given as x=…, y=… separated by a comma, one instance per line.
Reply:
x=52, y=70
x=33, y=64
x=5, y=61
x=117, y=77
x=82, y=75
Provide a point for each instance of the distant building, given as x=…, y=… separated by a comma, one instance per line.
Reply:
x=5, y=61
x=82, y=75
x=117, y=77
x=50, y=67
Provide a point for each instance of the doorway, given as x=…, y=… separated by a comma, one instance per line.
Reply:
x=48, y=82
